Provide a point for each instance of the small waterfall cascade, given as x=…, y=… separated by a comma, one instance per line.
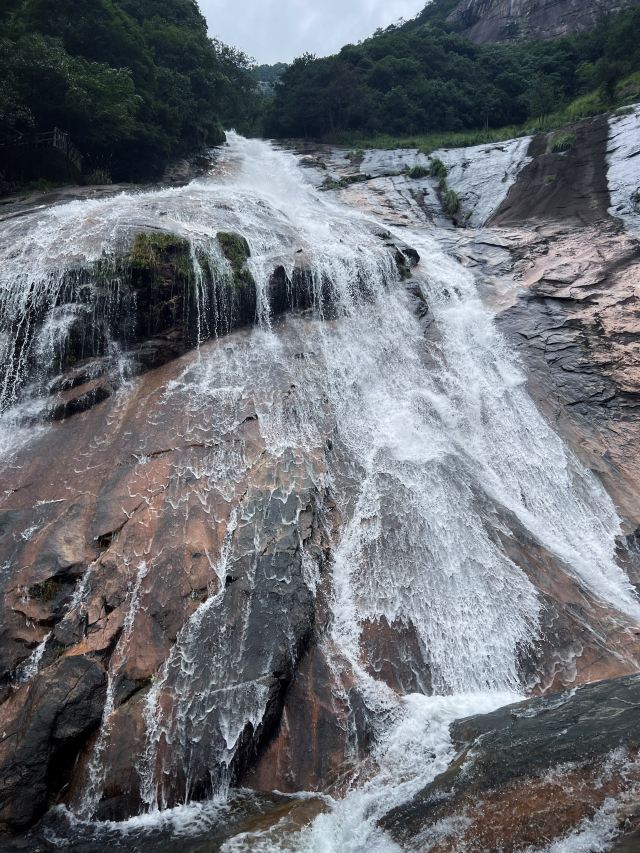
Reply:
x=425, y=439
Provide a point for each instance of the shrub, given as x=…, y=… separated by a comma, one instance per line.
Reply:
x=451, y=203
x=418, y=172
x=437, y=169
x=635, y=200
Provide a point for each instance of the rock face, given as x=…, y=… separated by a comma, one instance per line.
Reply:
x=167, y=558
x=152, y=503
x=42, y=735
x=532, y=771
x=487, y=21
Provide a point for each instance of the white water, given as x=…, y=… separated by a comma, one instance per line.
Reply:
x=435, y=445
x=29, y=669
x=96, y=770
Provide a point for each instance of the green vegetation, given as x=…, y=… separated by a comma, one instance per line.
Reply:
x=236, y=250
x=152, y=249
x=346, y=181
x=47, y=591
x=422, y=79
x=417, y=172
x=562, y=142
x=635, y=199
x=450, y=203
x=268, y=73
x=134, y=82
x=437, y=169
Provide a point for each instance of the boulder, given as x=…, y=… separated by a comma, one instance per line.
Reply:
x=531, y=771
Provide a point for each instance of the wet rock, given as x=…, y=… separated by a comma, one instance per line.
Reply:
x=488, y=21
x=529, y=771
x=309, y=749
x=42, y=735
x=565, y=186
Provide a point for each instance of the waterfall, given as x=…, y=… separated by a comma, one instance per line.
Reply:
x=424, y=436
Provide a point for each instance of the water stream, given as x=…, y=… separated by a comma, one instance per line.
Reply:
x=435, y=448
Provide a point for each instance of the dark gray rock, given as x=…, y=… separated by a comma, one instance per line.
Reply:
x=40, y=744
x=514, y=747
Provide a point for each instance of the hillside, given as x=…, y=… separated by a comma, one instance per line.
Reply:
x=424, y=77
x=488, y=21
x=133, y=83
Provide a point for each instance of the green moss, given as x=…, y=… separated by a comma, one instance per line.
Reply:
x=152, y=248
x=236, y=250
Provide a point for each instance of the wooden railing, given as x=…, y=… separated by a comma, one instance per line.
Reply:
x=55, y=138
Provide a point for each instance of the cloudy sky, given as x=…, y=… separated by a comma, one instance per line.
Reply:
x=279, y=30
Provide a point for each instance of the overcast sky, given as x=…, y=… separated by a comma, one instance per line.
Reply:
x=279, y=30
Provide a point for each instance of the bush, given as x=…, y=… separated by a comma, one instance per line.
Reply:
x=635, y=200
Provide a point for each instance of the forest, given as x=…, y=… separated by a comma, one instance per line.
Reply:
x=422, y=77
x=134, y=82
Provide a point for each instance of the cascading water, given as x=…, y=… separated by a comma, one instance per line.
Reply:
x=430, y=444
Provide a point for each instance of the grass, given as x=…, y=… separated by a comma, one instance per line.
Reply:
x=586, y=106
x=417, y=172
x=451, y=203
x=562, y=142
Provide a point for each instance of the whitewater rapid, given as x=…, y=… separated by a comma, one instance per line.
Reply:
x=435, y=445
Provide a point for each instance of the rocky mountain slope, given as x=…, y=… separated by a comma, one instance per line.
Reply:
x=487, y=21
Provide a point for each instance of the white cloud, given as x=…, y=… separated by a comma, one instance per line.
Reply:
x=279, y=30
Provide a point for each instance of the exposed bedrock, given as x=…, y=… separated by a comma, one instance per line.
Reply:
x=486, y=21
x=148, y=542
x=567, y=186
x=42, y=733
x=534, y=771
x=177, y=528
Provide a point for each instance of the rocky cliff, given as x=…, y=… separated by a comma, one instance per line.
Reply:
x=487, y=21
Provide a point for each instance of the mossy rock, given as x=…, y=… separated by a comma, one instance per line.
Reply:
x=152, y=249
x=236, y=250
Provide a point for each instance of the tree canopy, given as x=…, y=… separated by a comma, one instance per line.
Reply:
x=422, y=76
x=134, y=82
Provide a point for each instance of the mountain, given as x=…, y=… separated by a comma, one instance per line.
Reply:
x=488, y=21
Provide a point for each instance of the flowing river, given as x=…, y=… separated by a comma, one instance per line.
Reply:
x=422, y=432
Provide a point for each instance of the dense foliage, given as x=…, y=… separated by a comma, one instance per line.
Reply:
x=134, y=82
x=422, y=77
x=268, y=73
